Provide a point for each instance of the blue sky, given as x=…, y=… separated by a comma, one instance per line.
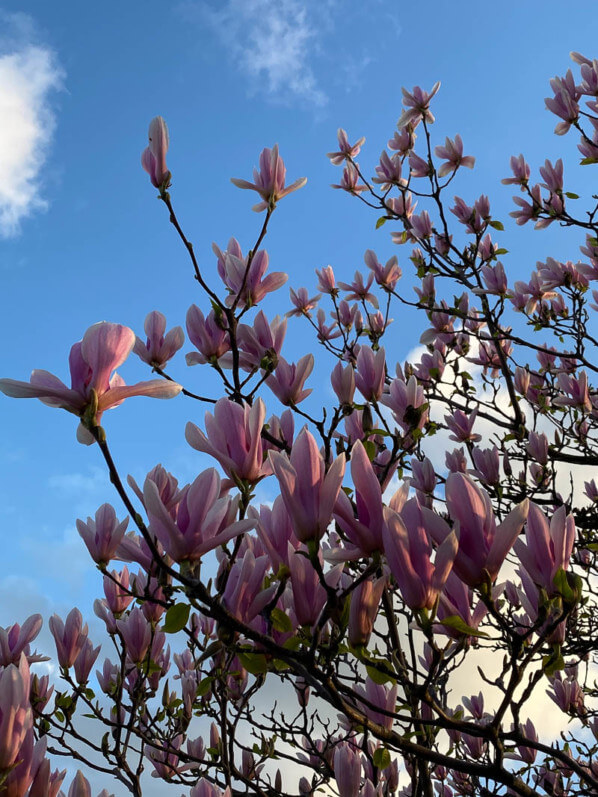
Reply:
x=83, y=239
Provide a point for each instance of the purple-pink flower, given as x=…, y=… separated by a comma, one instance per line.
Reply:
x=308, y=490
x=93, y=390
x=452, y=154
x=288, y=380
x=153, y=158
x=269, y=180
x=234, y=438
x=346, y=150
x=103, y=535
x=159, y=347
x=483, y=546
x=205, y=519
x=408, y=551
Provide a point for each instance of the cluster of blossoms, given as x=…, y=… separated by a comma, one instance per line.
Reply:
x=379, y=569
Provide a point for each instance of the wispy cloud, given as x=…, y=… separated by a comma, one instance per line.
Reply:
x=29, y=72
x=272, y=43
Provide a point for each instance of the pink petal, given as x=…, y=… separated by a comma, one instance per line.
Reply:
x=104, y=347
x=155, y=388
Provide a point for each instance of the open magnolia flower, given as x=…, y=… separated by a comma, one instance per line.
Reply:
x=93, y=390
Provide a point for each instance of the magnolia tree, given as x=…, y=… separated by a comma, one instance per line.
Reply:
x=312, y=644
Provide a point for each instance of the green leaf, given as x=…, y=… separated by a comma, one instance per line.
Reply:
x=371, y=449
x=553, y=662
x=255, y=663
x=571, y=195
x=204, y=686
x=382, y=758
x=176, y=618
x=281, y=621
x=586, y=161
x=498, y=225
x=380, y=222
x=561, y=584
x=458, y=624
x=501, y=252
x=377, y=676
x=59, y=716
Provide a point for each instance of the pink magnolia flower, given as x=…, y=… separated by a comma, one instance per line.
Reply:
x=358, y=290
x=103, y=535
x=342, y=379
x=104, y=347
x=348, y=315
x=521, y=172
x=275, y=531
x=69, y=637
x=547, y=547
x=530, y=211
x=165, y=758
x=370, y=373
x=85, y=661
x=80, y=786
x=246, y=286
x=46, y=783
x=303, y=304
x=244, y=596
x=382, y=698
x=25, y=773
x=364, y=531
x=347, y=770
x=421, y=226
x=418, y=166
x=117, y=591
x=308, y=594
x=260, y=345
x=408, y=551
x=389, y=172
x=483, y=546
x=417, y=106
x=577, y=389
x=15, y=640
x=350, y=181
x=326, y=281
x=346, y=150
x=456, y=600
x=564, y=103
x=402, y=141
x=495, y=280
x=308, y=491
x=269, y=181
x=553, y=175
x=136, y=633
x=288, y=380
x=326, y=332
x=204, y=519
x=423, y=477
x=487, y=465
x=153, y=158
x=365, y=602
x=204, y=788
x=15, y=712
x=461, y=426
x=209, y=335
x=386, y=276
x=452, y=153
x=159, y=348
x=233, y=438
x=408, y=403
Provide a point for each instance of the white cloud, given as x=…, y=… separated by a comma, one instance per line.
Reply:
x=271, y=42
x=28, y=74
